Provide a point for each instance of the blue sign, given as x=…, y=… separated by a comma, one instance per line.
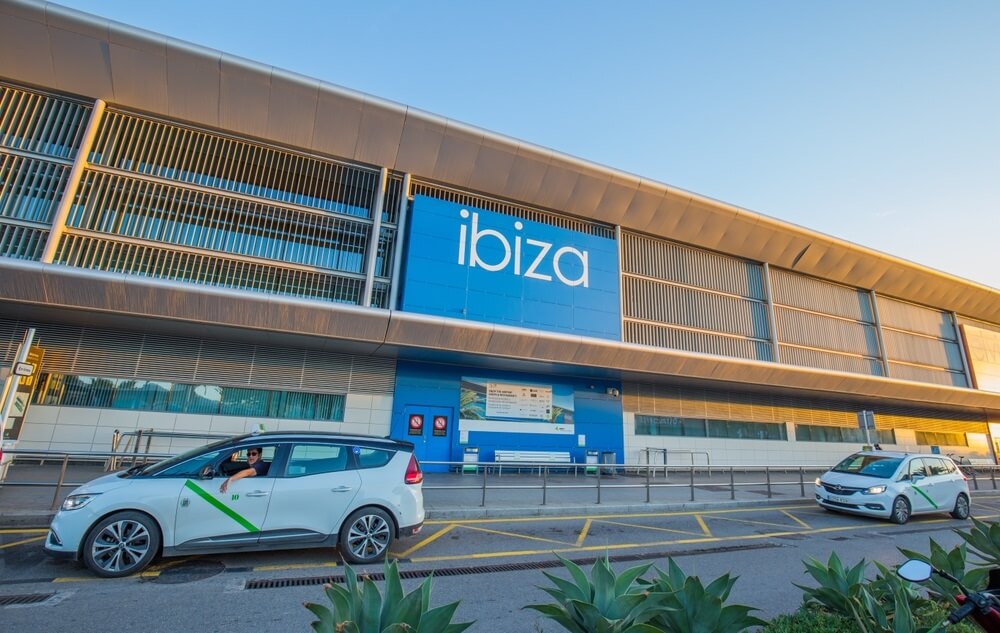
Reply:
x=469, y=263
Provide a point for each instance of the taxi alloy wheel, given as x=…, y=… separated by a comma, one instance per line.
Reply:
x=900, y=510
x=366, y=536
x=121, y=544
x=961, y=510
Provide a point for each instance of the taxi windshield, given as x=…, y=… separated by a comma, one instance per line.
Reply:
x=879, y=466
x=177, y=459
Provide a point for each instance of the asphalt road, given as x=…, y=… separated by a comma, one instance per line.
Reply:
x=493, y=566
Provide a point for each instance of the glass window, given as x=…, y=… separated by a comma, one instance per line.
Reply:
x=373, y=457
x=818, y=433
x=936, y=466
x=184, y=466
x=917, y=467
x=148, y=395
x=313, y=459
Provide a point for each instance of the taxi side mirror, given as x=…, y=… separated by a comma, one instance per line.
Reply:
x=207, y=473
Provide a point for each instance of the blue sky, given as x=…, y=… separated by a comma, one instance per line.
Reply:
x=877, y=122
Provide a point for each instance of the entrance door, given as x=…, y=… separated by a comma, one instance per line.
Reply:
x=430, y=429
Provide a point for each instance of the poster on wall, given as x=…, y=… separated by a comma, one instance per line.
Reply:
x=515, y=407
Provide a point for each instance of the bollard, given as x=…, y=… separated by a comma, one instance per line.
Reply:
x=599, y=485
x=59, y=484
x=732, y=484
x=545, y=483
x=767, y=472
x=692, y=483
x=485, y=474
x=802, y=482
x=647, y=482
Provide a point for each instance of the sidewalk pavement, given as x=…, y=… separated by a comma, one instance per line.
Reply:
x=457, y=496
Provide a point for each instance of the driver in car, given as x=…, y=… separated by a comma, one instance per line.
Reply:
x=257, y=467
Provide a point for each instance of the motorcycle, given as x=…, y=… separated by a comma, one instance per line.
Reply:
x=983, y=606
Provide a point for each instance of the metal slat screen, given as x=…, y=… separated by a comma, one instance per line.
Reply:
x=921, y=343
x=39, y=136
x=825, y=325
x=506, y=207
x=680, y=297
x=686, y=402
x=126, y=354
x=174, y=202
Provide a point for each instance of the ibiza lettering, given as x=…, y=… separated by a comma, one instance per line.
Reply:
x=528, y=257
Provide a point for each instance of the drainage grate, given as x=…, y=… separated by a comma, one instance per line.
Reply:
x=410, y=574
x=29, y=598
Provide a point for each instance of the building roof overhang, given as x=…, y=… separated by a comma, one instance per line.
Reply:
x=62, y=49
x=35, y=291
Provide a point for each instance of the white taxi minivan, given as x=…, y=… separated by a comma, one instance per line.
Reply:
x=260, y=491
x=894, y=486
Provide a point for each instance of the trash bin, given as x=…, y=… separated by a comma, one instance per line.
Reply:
x=591, y=463
x=609, y=457
x=469, y=458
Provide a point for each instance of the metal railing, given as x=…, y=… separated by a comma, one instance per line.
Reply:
x=133, y=442
x=664, y=453
x=64, y=457
x=602, y=479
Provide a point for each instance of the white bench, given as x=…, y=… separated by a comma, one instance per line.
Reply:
x=536, y=459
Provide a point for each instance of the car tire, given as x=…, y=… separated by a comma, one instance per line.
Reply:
x=961, y=510
x=121, y=544
x=366, y=536
x=900, y=510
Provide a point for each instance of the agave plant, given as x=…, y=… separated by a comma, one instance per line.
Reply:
x=603, y=603
x=883, y=605
x=954, y=562
x=690, y=606
x=360, y=608
x=984, y=541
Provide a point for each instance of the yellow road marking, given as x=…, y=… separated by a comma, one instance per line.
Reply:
x=294, y=566
x=796, y=519
x=430, y=539
x=781, y=525
x=651, y=527
x=515, y=535
x=624, y=546
x=583, y=532
x=704, y=526
x=75, y=579
x=22, y=542
x=24, y=531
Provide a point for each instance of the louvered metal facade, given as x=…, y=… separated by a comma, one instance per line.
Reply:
x=152, y=356
x=39, y=135
x=688, y=402
x=169, y=201
x=686, y=298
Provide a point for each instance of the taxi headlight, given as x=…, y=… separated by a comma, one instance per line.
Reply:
x=75, y=502
x=875, y=490
x=818, y=482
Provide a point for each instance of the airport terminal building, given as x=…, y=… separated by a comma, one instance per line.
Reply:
x=207, y=244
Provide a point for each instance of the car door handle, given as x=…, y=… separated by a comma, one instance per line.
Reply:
x=257, y=493
x=342, y=489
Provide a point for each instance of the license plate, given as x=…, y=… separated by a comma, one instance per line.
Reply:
x=839, y=499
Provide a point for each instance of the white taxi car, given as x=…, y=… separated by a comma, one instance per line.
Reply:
x=308, y=489
x=894, y=485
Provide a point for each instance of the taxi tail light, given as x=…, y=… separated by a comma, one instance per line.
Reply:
x=413, y=473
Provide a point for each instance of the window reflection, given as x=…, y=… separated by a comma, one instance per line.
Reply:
x=149, y=395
